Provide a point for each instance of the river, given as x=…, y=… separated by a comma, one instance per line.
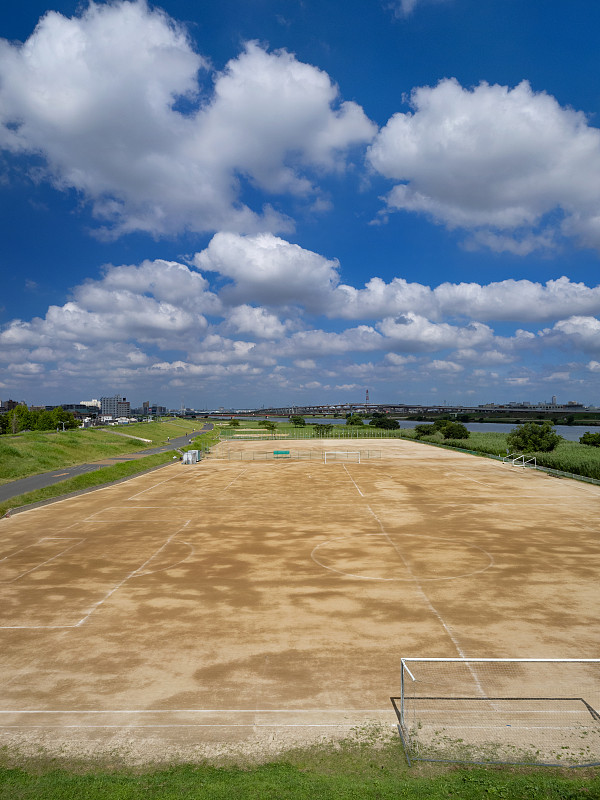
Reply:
x=571, y=433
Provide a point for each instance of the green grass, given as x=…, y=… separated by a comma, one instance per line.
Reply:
x=79, y=451
x=88, y=480
x=41, y=451
x=570, y=457
x=352, y=771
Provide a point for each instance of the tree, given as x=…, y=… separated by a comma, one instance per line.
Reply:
x=297, y=421
x=234, y=423
x=45, y=421
x=354, y=419
x=387, y=423
x=532, y=437
x=454, y=430
x=268, y=425
x=61, y=417
x=20, y=419
x=424, y=430
x=323, y=430
x=591, y=439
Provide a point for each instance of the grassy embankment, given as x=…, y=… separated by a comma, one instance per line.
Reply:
x=32, y=453
x=352, y=771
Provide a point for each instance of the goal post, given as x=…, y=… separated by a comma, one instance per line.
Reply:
x=486, y=710
x=341, y=455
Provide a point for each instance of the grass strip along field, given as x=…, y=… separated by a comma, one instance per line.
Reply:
x=32, y=452
x=20, y=455
x=88, y=480
x=349, y=774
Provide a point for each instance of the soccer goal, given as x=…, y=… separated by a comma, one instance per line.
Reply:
x=483, y=710
x=342, y=455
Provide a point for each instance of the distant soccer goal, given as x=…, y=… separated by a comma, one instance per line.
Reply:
x=535, y=711
x=341, y=455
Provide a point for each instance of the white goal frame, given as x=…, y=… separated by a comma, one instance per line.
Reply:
x=544, y=711
x=334, y=453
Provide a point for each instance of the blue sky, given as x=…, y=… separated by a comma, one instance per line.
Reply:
x=257, y=202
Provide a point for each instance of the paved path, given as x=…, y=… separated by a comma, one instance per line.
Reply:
x=34, y=482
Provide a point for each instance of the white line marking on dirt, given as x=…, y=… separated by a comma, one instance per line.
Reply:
x=170, y=566
x=153, y=487
x=196, y=711
x=411, y=576
x=421, y=591
x=43, y=563
x=353, y=481
x=249, y=724
x=234, y=480
x=132, y=574
x=33, y=544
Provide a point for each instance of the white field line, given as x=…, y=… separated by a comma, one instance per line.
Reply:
x=43, y=563
x=396, y=579
x=170, y=566
x=224, y=489
x=467, y=478
x=252, y=724
x=357, y=489
x=135, y=573
x=421, y=591
x=132, y=574
x=33, y=544
x=153, y=487
x=201, y=711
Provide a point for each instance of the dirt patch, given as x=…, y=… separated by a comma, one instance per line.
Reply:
x=245, y=607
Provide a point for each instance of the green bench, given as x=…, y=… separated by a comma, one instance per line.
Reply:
x=281, y=453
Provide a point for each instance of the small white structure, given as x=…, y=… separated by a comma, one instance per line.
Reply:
x=190, y=457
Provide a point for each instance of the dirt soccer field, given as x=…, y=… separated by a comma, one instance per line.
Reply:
x=250, y=604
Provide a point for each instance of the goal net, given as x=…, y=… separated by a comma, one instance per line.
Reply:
x=341, y=455
x=537, y=711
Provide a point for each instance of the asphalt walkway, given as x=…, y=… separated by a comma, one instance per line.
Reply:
x=34, y=482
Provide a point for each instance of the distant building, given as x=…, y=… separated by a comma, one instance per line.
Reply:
x=92, y=403
x=115, y=407
x=8, y=405
x=147, y=410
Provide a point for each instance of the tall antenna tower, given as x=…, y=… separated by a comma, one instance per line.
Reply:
x=367, y=398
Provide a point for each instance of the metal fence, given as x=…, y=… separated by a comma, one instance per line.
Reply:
x=231, y=454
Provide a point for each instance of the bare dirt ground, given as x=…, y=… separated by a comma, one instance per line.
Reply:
x=237, y=608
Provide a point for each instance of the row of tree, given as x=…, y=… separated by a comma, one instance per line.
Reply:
x=22, y=418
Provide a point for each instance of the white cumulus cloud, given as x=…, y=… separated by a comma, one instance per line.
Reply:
x=267, y=269
x=493, y=159
x=97, y=95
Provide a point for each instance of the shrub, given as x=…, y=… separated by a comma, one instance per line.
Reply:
x=454, y=430
x=424, y=430
x=531, y=437
x=592, y=439
x=387, y=423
